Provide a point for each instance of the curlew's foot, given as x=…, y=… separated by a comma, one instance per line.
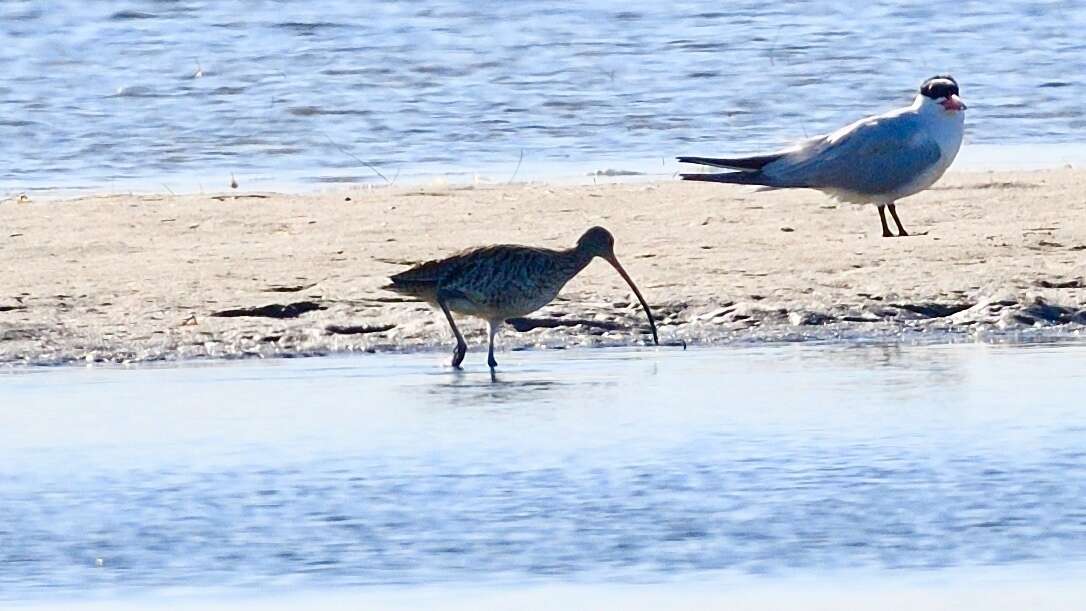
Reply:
x=458, y=355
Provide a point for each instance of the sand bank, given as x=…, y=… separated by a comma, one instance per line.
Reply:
x=130, y=278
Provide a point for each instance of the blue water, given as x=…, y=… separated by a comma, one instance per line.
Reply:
x=110, y=93
x=634, y=466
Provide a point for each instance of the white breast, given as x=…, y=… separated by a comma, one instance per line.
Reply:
x=946, y=129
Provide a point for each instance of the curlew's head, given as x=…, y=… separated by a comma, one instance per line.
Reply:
x=942, y=90
x=598, y=242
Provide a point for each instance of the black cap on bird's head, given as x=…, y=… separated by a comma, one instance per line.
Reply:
x=944, y=90
x=939, y=86
x=598, y=242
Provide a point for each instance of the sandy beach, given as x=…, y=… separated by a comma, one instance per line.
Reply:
x=146, y=277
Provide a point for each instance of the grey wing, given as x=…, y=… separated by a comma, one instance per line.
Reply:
x=875, y=156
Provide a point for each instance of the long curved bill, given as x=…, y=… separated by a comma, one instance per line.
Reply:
x=652, y=323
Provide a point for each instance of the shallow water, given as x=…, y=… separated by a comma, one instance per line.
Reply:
x=182, y=94
x=600, y=466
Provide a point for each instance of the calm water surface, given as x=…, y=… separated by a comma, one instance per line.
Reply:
x=571, y=467
x=111, y=93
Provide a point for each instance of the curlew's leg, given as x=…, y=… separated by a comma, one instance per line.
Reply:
x=882, y=217
x=461, y=345
x=900, y=230
x=494, y=324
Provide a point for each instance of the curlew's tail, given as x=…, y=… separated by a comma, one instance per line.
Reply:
x=420, y=291
x=420, y=281
x=756, y=162
x=392, y=286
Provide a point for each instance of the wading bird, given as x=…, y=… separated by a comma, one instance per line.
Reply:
x=500, y=282
x=877, y=160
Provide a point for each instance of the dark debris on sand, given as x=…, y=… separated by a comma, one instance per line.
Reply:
x=274, y=310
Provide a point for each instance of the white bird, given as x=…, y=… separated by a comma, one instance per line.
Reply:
x=877, y=160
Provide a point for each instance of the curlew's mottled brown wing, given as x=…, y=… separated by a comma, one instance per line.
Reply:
x=495, y=278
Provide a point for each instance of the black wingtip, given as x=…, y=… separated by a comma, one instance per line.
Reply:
x=733, y=178
x=701, y=177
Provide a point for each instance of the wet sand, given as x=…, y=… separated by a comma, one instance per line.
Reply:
x=129, y=278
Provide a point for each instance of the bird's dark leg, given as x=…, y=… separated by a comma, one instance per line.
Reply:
x=882, y=217
x=494, y=324
x=900, y=230
x=461, y=345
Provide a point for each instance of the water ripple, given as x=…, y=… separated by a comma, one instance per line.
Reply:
x=436, y=72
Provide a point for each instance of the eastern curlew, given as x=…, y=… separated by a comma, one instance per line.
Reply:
x=500, y=282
